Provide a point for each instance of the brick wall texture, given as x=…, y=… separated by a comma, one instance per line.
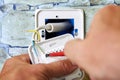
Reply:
x=16, y=16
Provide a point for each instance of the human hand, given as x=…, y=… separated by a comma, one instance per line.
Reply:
x=99, y=53
x=19, y=68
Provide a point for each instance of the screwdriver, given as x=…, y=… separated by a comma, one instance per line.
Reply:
x=55, y=54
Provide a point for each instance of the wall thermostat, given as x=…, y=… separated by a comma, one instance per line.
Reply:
x=63, y=21
x=56, y=27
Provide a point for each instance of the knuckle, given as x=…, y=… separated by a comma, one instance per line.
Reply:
x=110, y=7
x=106, y=15
x=41, y=68
x=8, y=61
x=107, y=9
x=65, y=67
x=42, y=71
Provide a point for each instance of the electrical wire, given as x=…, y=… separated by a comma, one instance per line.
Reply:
x=33, y=46
x=50, y=27
x=36, y=38
x=40, y=49
x=36, y=35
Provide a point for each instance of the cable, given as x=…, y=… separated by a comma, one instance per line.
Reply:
x=33, y=46
x=40, y=49
x=36, y=33
x=57, y=27
x=50, y=27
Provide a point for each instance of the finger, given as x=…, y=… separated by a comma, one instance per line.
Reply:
x=58, y=69
x=73, y=50
x=78, y=52
x=23, y=57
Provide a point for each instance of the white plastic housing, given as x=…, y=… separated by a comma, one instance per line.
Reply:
x=76, y=14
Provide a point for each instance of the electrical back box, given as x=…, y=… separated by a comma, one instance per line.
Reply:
x=73, y=16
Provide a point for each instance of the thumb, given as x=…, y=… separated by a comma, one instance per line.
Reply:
x=74, y=50
x=58, y=69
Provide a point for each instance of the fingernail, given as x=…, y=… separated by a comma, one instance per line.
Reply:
x=74, y=67
x=74, y=64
